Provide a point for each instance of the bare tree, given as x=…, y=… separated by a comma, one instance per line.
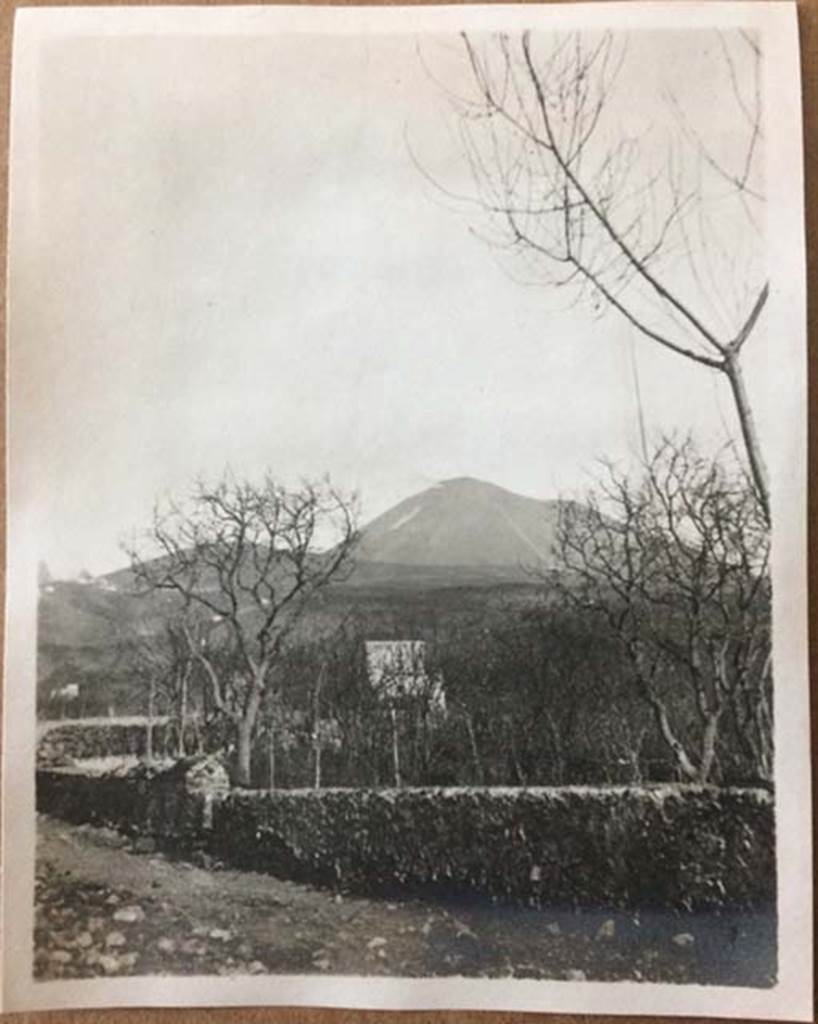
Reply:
x=465, y=658
x=245, y=562
x=675, y=567
x=653, y=232
x=176, y=667
x=400, y=676
x=150, y=663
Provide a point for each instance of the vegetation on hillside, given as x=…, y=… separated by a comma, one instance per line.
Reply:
x=645, y=658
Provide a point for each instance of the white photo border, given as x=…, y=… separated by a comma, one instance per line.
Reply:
x=792, y=997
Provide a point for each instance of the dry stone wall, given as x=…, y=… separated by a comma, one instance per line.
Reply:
x=685, y=847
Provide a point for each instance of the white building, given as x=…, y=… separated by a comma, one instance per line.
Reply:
x=397, y=670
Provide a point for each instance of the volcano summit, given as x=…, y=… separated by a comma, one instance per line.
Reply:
x=463, y=522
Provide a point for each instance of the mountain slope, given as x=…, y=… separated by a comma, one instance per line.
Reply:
x=463, y=522
x=452, y=550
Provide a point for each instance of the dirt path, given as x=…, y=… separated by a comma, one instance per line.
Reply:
x=104, y=908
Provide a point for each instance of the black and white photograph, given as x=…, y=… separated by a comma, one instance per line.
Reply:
x=406, y=578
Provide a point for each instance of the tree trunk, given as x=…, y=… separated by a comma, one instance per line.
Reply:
x=246, y=728
x=183, y=714
x=683, y=762
x=243, y=753
x=556, y=743
x=149, y=733
x=634, y=754
x=317, y=776
x=711, y=729
x=515, y=761
x=479, y=772
x=198, y=738
x=395, y=748
x=316, y=728
x=749, y=434
x=271, y=757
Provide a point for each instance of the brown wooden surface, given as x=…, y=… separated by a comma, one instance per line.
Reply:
x=808, y=20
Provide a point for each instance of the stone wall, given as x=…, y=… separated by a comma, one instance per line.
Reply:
x=670, y=846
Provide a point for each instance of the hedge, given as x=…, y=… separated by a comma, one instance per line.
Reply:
x=681, y=847
x=63, y=744
x=684, y=847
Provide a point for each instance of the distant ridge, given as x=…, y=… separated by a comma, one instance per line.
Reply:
x=450, y=550
x=464, y=522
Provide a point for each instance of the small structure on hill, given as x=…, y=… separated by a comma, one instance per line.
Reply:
x=67, y=693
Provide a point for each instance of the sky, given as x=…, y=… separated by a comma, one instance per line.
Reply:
x=232, y=260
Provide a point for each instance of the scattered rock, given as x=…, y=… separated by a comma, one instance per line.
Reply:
x=206, y=774
x=60, y=956
x=462, y=930
x=607, y=930
x=84, y=940
x=553, y=928
x=128, y=960
x=113, y=939
x=95, y=924
x=112, y=899
x=109, y=963
x=109, y=837
x=376, y=943
x=527, y=970
x=220, y=934
x=165, y=945
x=256, y=967
x=144, y=844
x=322, y=963
x=130, y=914
x=575, y=975
x=683, y=939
